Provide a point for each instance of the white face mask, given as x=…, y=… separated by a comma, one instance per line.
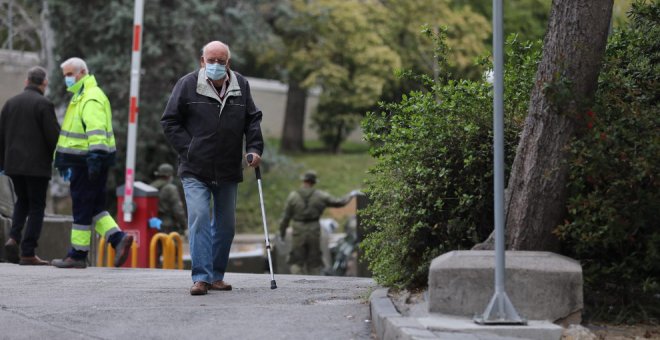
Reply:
x=70, y=81
x=216, y=71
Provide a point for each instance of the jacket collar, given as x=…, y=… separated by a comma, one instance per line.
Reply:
x=205, y=89
x=34, y=88
x=87, y=81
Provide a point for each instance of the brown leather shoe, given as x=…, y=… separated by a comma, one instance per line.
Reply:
x=32, y=261
x=11, y=250
x=220, y=285
x=199, y=288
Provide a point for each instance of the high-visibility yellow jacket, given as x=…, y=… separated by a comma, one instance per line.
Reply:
x=87, y=125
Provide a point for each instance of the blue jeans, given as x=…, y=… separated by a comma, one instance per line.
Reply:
x=211, y=225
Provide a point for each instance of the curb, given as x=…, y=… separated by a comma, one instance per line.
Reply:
x=388, y=322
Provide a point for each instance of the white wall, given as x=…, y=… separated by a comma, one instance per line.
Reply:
x=13, y=72
x=270, y=98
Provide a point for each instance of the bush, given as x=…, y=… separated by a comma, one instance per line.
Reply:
x=612, y=225
x=432, y=187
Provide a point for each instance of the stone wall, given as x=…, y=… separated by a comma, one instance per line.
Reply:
x=13, y=71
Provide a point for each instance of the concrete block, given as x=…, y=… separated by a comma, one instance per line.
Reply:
x=541, y=285
x=7, y=196
x=55, y=239
x=5, y=227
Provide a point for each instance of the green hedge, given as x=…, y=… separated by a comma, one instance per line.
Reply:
x=432, y=187
x=613, y=222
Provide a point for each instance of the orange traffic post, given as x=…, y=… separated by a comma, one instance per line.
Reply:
x=100, y=252
x=172, y=248
x=177, y=253
x=111, y=254
x=163, y=239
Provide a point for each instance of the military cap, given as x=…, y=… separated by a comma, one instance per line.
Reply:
x=308, y=176
x=164, y=170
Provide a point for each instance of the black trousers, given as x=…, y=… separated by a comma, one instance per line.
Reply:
x=30, y=204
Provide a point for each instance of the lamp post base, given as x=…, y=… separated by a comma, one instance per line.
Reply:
x=500, y=311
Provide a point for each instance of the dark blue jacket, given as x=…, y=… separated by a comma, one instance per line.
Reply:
x=28, y=134
x=207, y=132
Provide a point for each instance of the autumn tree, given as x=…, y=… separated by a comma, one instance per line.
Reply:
x=337, y=45
x=466, y=33
x=527, y=19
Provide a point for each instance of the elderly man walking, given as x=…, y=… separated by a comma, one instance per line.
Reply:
x=209, y=116
x=28, y=133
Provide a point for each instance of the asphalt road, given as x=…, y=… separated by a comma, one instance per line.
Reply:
x=111, y=303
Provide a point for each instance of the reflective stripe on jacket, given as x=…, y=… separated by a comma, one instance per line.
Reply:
x=81, y=234
x=87, y=124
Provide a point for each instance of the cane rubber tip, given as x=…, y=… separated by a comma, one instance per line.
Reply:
x=273, y=285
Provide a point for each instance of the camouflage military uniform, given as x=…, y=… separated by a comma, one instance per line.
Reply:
x=304, y=208
x=170, y=207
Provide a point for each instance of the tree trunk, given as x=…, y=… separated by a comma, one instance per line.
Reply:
x=337, y=138
x=294, y=118
x=566, y=81
x=47, y=39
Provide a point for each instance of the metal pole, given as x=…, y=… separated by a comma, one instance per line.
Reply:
x=257, y=172
x=129, y=207
x=500, y=310
x=273, y=285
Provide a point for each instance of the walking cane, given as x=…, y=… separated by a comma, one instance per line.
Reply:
x=257, y=171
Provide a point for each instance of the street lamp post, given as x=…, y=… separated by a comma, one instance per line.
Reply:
x=500, y=310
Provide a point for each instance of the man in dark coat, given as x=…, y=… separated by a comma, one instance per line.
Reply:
x=209, y=117
x=28, y=134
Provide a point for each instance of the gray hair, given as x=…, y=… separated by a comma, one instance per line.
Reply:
x=225, y=45
x=77, y=63
x=36, y=75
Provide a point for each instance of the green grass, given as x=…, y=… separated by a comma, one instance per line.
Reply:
x=338, y=174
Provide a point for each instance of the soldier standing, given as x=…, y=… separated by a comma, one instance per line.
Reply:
x=170, y=206
x=303, y=208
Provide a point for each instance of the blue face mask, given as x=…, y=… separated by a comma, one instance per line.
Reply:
x=216, y=71
x=69, y=81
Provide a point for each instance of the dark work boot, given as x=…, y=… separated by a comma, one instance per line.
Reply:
x=69, y=262
x=11, y=250
x=122, y=250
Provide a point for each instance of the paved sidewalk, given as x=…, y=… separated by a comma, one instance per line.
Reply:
x=112, y=303
x=418, y=323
